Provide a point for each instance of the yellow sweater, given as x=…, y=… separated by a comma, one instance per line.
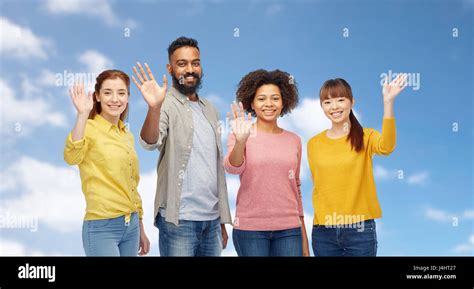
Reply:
x=343, y=182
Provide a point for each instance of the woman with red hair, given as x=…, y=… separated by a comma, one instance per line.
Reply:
x=103, y=148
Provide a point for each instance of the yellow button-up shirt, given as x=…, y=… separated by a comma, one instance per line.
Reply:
x=109, y=169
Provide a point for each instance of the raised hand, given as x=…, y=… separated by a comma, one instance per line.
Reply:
x=153, y=94
x=390, y=91
x=82, y=102
x=241, y=126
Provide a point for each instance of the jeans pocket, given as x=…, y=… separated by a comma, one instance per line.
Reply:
x=99, y=224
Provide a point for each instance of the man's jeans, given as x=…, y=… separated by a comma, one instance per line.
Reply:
x=190, y=238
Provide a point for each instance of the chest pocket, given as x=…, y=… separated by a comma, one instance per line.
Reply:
x=114, y=157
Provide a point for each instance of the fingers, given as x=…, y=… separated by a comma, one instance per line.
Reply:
x=136, y=83
x=241, y=110
x=142, y=71
x=400, y=80
x=144, y=248
x=75, y=87
x=138, y=75
x=233, y=109
x=148, y=70
x=249, y=116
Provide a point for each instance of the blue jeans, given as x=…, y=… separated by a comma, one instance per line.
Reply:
x=268, y=243
x=111, y=237
x=341, y=240
x=190, y=238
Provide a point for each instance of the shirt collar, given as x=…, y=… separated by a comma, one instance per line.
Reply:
x=183, y=98
x=105, y=124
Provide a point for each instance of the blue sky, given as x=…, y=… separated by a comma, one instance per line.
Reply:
x=427, y=212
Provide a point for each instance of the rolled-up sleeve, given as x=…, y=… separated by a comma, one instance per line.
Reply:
x=74, y=151
x=164, y=125
x=227, y=165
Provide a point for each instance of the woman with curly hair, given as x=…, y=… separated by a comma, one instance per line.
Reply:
x=269, y=212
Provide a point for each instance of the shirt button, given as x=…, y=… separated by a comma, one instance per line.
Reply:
x=179, y=184
x=183, y=165
x=191, y=126
x=188, y=109
x=189, y=147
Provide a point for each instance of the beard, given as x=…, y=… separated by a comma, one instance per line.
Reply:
x=186, y=89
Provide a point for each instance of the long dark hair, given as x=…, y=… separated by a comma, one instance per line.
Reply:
x=340, y=88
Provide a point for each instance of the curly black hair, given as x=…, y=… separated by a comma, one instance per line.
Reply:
x=181, y=42
x=248, y=85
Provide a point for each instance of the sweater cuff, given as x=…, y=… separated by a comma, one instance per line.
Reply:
x=233, y=169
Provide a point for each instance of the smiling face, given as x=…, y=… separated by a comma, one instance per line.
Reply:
x=336, y=100
x=113, y=99
x=268, y=102
x=337, y=109
x=185, y=69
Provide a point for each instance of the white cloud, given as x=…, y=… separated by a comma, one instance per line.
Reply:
x=307, y=119
x=419, y=178
x=26, y=113
x=444, y=216
x=468, y=214
x=15, y=248
x=439, y=215
x=20, y=42
x=100, y=9
x=50, y=193
x=46, y=78
x=95, y=61
x=233, y=184
x=466, y=248
x=380, y=172
x=147, y=191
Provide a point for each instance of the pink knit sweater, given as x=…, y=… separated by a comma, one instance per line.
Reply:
x=269, y=197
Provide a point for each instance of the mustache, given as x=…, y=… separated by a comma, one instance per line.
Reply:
x=193, y=74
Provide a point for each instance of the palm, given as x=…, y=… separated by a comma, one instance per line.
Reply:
x=82, y=102
x=152, y=92
x=390, y=91
x=241, y=126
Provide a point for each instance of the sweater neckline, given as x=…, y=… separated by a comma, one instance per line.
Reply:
x=333, y=140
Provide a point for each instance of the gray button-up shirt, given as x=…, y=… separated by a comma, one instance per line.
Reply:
x=175, y=144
